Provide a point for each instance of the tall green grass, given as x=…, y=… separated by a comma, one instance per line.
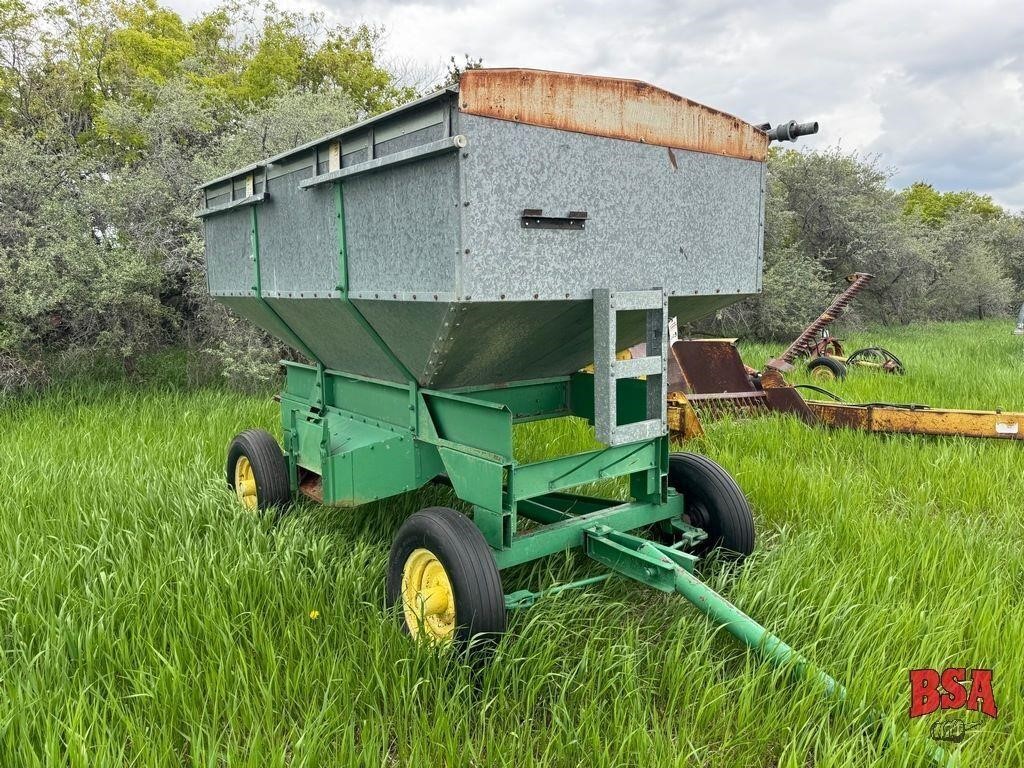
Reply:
x=146, y=620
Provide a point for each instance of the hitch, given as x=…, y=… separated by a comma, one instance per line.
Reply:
x=671, y=570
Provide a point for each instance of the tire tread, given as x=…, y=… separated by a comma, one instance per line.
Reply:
x=460, y=545
x=837, y=367
x=273, y=487
x=694, y=475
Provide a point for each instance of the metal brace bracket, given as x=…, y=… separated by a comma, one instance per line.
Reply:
x=608, y=370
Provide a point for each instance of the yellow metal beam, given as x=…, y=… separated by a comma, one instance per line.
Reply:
x=897, y=419
x=684, y=423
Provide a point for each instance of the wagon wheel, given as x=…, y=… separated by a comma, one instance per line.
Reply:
x=880, y=357
x=826, y=369
x=443, y=580
x=825, y=345
x=257, y=471
x=713, y=501
x=832, y=347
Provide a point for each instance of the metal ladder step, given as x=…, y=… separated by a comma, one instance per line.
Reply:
x=608, y=370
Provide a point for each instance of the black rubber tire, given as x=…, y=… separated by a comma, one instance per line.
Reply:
x=836, y=367
x=269, y=468
x=713, y=501
x=456, y=541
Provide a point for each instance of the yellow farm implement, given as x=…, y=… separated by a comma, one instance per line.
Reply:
x=715, y=380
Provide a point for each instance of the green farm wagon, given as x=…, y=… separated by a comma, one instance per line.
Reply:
x=448, y=268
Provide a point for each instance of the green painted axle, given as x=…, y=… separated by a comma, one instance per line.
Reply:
x=363, y=439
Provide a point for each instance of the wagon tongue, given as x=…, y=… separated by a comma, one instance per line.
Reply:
x=670, y=570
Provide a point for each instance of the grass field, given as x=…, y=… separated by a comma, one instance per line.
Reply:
x=145, y=619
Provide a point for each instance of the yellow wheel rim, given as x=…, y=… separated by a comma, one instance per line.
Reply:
x=823, y=373
x=427, y=598
x=245, y=483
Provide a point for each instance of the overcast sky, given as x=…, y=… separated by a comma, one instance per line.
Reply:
x=934, y=88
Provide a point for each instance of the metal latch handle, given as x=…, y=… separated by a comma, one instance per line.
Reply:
x=534, y=218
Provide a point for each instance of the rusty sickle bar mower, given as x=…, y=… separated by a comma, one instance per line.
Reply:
x=716, y=380
x=825, y=356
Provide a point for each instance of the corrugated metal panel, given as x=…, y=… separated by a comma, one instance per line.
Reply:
x=409, y=140
x=229, y=265
x=412, y=330
x=259, y=313
x=497, y=342
x=440, y=102
x=689, y=308
x=408, y=121
x=335, y=336
x=605, y=106
x=354, y=157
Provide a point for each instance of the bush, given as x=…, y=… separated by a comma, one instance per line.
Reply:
x=830, y=214
x=17, y=375
x=794, y=292
x=68, y=281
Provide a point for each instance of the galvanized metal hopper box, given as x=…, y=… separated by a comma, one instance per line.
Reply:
x=461, y=236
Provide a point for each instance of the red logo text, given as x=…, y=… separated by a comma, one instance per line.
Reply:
x=954, y=688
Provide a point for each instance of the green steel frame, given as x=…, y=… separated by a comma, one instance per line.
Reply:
x=368, y=439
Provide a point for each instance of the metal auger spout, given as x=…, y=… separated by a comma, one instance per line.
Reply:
x=671, y=571
x=790, y=131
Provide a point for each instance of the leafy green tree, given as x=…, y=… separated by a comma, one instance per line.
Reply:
x=111, y=112
x=838, y=211
x=934, y=208
x=16, y=22
x=934, y=255
x=969, y=278
x=69, y=286
x=793, y=292
x=1005, y=236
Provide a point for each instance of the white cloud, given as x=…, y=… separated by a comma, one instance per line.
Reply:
x=934, y=87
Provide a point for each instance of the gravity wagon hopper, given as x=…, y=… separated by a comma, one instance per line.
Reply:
x=448, y=268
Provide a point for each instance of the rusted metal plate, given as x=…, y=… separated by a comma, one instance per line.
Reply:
x=711, y=366
x=784, y=398
x=685, y=412
x=312, y=487
x=772, y=394
x=610, y=107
